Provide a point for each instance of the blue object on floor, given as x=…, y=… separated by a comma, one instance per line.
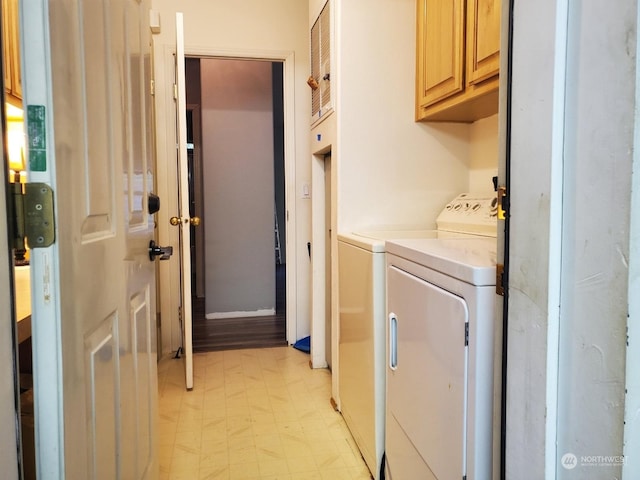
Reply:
x=304, y=345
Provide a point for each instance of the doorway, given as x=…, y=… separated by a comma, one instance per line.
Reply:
x=235, y=136
x=327, y=261
x=13, y=134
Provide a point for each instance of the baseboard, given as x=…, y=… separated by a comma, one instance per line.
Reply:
x=255, y=313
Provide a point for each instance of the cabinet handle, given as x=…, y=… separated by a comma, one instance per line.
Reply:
x=393, y=341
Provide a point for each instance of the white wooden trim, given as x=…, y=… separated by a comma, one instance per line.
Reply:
x=631, y=432
x=318, y=264
x=556, y=182
x=45, y=273
x=287, y=57
x=183, y=198
x=166, y=174
x=240, y=314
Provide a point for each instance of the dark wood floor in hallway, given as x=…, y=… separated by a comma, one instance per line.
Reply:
x=245, y=332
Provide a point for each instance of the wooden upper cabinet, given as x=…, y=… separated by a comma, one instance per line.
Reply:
x=440, y=60
x=16, y=71
x=483, y=40
x=457, y=59
x=6, y=50
x=11, y=52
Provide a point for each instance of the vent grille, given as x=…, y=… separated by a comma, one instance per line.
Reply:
x=325, y=56
x=321, y=63
x=315, y=67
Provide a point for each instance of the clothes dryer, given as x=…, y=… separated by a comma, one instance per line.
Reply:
x=439, y=403
x=439, y=378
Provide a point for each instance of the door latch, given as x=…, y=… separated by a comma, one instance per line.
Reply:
x=503, y=203
x=156, y=251
x=500, y=279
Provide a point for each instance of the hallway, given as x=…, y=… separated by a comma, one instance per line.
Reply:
x=246, y=332
x=253, y=414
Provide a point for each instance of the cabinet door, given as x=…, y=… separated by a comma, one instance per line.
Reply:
x=440, y=62
x=483, y=40
x=6, y=50
x=16, y=72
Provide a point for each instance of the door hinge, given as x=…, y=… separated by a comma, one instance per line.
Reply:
x=175, y=91
x=32, y=216
x=500, y=279
x=503, y=203
x=466, y=334
x=152, y=87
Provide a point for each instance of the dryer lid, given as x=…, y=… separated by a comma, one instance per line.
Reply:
x=472, y=260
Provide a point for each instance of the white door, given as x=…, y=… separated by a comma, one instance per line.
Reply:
x=183, y=220
x=87, y=80
x=426, y=379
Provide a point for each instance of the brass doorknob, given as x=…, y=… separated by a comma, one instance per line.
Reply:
x=175, y=221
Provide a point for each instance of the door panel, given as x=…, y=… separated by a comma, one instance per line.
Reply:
x=144, y=360
x=101, y=391
x=94, y=289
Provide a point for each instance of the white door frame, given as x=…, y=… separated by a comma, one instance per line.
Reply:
x=318, y=266
x=45, y=291
x=631, y=440
x=168, y=274
x=184, y=245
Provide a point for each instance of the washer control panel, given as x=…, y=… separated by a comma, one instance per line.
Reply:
x=470, y=213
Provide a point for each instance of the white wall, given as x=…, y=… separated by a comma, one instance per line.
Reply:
x=412, y=169
x=483, y=154
x=243, y=28
x=238, y=170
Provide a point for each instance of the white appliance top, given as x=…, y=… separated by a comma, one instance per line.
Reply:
x=472, y=260
x=470, y=213
x=374, y=240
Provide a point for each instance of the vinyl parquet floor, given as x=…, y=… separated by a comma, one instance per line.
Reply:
x=238, y=333
x=253, y=414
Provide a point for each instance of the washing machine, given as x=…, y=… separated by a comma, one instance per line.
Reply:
x=440, y=354
x=361, y=344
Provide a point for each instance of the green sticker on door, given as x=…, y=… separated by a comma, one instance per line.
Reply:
x=37, y=138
